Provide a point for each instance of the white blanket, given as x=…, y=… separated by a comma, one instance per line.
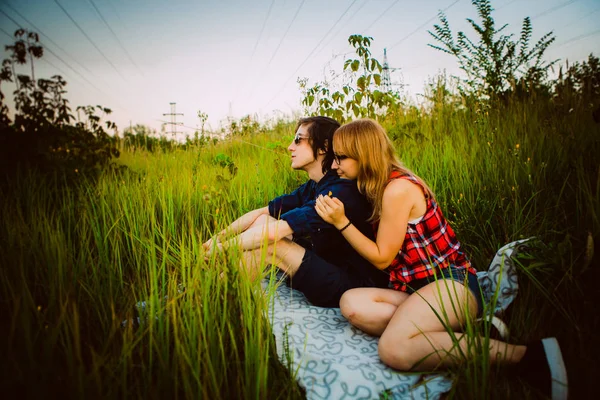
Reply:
x=333, y=360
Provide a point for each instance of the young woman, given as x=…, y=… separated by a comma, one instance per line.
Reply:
x=433, y=286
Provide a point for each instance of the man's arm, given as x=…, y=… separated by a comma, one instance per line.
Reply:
x=238, y=226
x=256, y=236
x=284, y=203
x=305, y=220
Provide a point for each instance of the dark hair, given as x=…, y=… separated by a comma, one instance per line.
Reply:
x=321, y=130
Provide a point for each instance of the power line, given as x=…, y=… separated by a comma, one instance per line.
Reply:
x=57, y=68
x=285, y=34
x=89, y=39
x=276, y=49
x=342, y=27
x=381, y=15
x=47, y=37
x=6, y=33
x=505, y=4
x=115, y=35
x=582, y=36
x=421, y=26
x=310, y=54
x=550, y=10
x=256, y=44
x=587, y=15
x=43, y=59
x=232, y=139
x=261, y=31
x=64, y=62
x=46, y=48
x=178, y=124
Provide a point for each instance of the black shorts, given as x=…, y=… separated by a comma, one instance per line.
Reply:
x=323, y=283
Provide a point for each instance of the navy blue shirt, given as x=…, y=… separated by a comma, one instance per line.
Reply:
x=311, y=231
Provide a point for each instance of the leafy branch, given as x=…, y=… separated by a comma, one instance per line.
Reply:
x=495, y=63
x=361, y=98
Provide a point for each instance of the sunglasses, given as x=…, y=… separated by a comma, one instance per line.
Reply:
x=339, y=157
x=298, y=138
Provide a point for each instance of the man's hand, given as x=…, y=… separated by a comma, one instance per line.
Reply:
x=332, y=211
x=209, y=243
x=212, y=246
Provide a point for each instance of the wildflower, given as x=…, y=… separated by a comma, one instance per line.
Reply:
x=461, y=195
x=517, y=146
x=39, y=308
x=513, y=188
x=217, y=211
x=528, y=159
x=76, y=170
x=489, y=144
x=204, y=187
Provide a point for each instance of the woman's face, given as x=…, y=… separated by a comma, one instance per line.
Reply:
x=346, y=167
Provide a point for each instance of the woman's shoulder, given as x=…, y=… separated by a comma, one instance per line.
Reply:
x=402, y=189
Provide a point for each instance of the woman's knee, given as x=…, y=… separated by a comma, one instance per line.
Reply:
x=350, y=304
x=395, y=352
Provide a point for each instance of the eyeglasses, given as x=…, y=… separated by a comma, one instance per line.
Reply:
x=298, y=138
x=339, y=157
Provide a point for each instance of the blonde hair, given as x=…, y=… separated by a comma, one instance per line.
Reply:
x=367, y=142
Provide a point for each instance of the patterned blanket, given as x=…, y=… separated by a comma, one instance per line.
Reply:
x=333, y=360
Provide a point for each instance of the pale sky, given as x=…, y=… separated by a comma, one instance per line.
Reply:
x=234, y=57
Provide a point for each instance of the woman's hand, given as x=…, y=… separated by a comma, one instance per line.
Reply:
x=331, y=209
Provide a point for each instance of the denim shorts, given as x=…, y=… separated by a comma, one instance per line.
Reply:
x=454, y=274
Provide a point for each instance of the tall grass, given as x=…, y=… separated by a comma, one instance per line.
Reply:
x=75, y=261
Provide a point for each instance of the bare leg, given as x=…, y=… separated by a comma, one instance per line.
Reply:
x=370, y=309
x=284, y=254
x=416, y=339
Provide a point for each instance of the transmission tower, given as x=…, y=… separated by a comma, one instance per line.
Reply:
x=173, y=122
x=386, y=81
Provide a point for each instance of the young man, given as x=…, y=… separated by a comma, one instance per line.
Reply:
x=314, y=254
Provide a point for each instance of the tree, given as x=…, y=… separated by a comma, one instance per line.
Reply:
x=42, y=135
x=579, y=85
x=361, y=98
x=496, y=64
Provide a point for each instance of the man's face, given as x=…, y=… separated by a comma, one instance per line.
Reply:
x=302, y=154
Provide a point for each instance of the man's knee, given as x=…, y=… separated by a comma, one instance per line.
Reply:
x=263, y=219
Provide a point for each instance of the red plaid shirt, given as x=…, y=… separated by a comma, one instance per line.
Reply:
x=429, y=245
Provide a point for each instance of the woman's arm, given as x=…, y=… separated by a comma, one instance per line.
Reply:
x=399, y=199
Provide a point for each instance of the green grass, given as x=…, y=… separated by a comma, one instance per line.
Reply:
x=76, y=260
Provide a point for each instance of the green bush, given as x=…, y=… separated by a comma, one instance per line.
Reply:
x=42, y=135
